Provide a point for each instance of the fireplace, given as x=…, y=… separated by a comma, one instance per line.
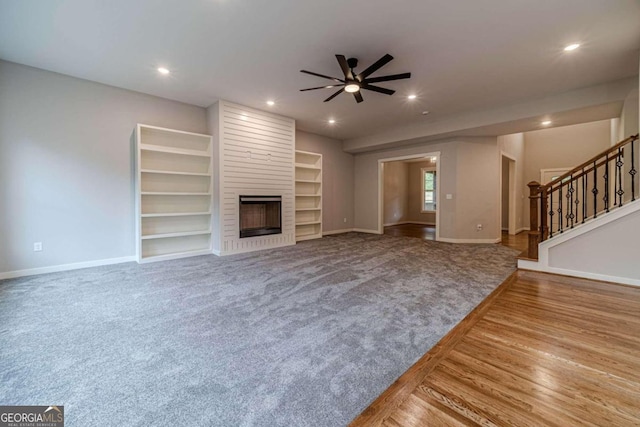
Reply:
x=260, y=215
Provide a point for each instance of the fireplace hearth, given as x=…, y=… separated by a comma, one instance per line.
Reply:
x=260, y=215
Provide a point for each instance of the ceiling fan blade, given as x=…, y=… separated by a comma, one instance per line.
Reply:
x=345, y=67
x=379, y=89
x=322, y=75
x=388, y=78
x=334, y=95
x=321, y=87
x=358, y=96
x=374, y=67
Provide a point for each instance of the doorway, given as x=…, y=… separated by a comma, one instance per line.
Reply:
x=420, y=206
x=508, y=194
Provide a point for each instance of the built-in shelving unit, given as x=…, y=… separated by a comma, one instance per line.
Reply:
x=308, y=195
x=173, y=193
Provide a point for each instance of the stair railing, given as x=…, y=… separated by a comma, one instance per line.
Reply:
x=597, y=186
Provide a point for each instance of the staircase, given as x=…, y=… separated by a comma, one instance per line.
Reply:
x=586, y=222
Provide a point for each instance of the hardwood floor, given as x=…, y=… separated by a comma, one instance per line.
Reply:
x=424, y=232
x=540, y=350
x=428, y=232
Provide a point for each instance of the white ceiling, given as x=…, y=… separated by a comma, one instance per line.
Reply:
x=463, y=55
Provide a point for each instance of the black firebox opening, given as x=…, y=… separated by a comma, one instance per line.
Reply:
x=260, y=215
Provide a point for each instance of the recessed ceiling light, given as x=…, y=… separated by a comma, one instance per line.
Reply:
x=571, y=47
x=546, y=123
x=411, y=96
x=271, y=103
x=424, y=113
x=331, y=121
x=163, y=70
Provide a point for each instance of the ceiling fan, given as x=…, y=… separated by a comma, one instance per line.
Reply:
x=352, y=82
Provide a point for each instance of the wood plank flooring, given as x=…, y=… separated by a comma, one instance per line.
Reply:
x=541, y=350
x=428, y=232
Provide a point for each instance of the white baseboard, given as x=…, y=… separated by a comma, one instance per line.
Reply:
x=505, y=229
x=344, y=230
x=534, y=266
x=65, y=267
x=475, y=241
x=521, y=229
x=364, y=230
x=408, y=222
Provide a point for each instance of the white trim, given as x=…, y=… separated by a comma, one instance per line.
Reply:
x=216, y=252
x=381, y=163
x=543, y=248
x=65, y=267
x=364, y=230
x=543, y=171
x=511, y=221
x=532, y=265
x=477, y=241
x=409, y=222
x=521, y=229
x=344, y=230
x=435, y=190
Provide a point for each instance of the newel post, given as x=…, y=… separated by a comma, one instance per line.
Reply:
x=534, y=230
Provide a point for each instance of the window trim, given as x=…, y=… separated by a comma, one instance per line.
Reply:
x=435, y=189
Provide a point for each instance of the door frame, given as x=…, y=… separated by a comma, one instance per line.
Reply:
x=381, y=163
x=512, y=193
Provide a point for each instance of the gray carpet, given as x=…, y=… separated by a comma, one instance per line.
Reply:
x=301, y=336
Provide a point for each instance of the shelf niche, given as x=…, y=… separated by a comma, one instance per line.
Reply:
x=173, y=193
x=308, y=179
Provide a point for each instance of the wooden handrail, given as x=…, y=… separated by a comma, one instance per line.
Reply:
x=541, y=197
x=590, y=161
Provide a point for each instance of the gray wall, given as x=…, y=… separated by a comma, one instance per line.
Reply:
x=513, y=146
x=469, y=171
x=337, y=179
x=396, y=192
x=66, y=165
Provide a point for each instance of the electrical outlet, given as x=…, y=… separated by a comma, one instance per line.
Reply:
x=449, y=196
x=37, y=246
x=344, y=220
x=479, y=227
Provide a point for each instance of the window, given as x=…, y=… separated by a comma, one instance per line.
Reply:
x=429, y=186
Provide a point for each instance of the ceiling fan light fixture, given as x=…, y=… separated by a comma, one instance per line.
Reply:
x=352, y=87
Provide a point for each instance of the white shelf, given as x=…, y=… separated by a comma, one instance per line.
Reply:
x=308, y=179
x=176, y=255
x=300, y=238
x=173, y=193
x=303, y=166
x=309, y=223
x=162, y=172
x=171, y=150
x=169, y=235
x=160, y=215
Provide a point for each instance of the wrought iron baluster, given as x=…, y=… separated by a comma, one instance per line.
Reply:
x=560, y=208
x=550, y=212
x=570, y=191
x=595, y=189
x=633, y=173
x=619, y=166
x=585, y=179
x=606, y=182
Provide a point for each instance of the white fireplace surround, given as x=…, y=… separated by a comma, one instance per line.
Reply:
x=253, y=153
